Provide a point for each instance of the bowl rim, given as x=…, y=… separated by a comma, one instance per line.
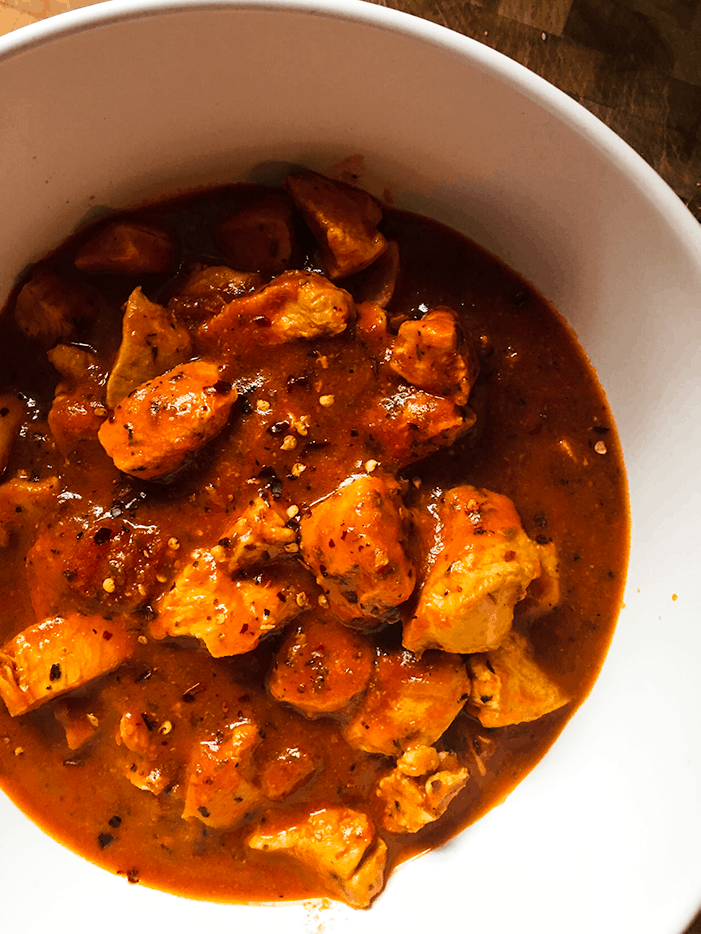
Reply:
x=620, y=154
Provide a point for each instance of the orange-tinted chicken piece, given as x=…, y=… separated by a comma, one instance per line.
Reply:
x=354, y=542
x=77, y=718
x=409, y=701
x=147, y=767
x=152, y=342
x=77, y=410
x=220, y=786
x=206, y=289
x=282, y=774
x=23, y=503
x=545, y=592
x=127, y=248
x=230, y=616
x=338, y=844
x=12, y=411
x=260, y=236
x=294, y=306
x=412, y=423
x=321, y=666
x=57, y=655
x=259, y=534
x=485, y=563
x=430, y=355
x=160, y=425
x=420, y=788
x=83, y=562
x=49, y=308
x=509, y=686
x=342, y=218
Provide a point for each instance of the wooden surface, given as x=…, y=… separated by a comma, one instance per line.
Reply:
x=635, y=64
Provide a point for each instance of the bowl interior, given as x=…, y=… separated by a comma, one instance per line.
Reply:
x=117, y=103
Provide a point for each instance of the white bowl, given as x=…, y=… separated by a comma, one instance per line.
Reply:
x=125, y=99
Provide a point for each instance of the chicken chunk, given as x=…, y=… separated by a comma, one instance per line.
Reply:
x=12, y=410
x=152, y=342
x=486, y=562
x=77, y=410
x=260, y=236
x=127, y=248
x=206, y=289
x=544, y=592
x=84, y=561
x=60, y=654
x=220, y=787
x=409, y=701
x=420, y=788
x=294, y=306
x=354, y=543
x=430, y=355
x=147, y=767
x=49, y=307
x=160, y=425
x=23, y=503
x=259, y=534
x=412, y=423
x=230, y=616
x=321, y=666
x=510, y=687
x=77, y=718
x=338, y=844
x=343, y=220
x=284, y=773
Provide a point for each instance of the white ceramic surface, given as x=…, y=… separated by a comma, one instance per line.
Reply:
x=128, y=98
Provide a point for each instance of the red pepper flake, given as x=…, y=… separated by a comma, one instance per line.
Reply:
x=203, y=811
x=133, y=876
x=104, y=839
x=55, y=672
x=115, y=821
x=106, y=635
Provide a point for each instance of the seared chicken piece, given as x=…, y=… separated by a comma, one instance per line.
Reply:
x=220, y=788
x=206, y=289
x=83, y=562
x=354, y=542
x=49, y=308
x=57, y=655
x=260, y=237
x=420, y=788
x=12, y=411
x=294, y=306
x=321, y=666
x=127, y=248
x=545, y=592
x=77, y=410
x=160, y=425
x=282, y=774
x=485, y=563
x=412, y=424
x=338, y=844
x=152, y=342
x=230, y=616
x=343, y=219
x=23, y=503
x=510, y=687
x=371, y=327
x=409, y=701
x=78, y=720
x=259, y=534
x=430, y=355
x=139, y=734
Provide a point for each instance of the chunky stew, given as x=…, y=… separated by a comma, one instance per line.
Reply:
x=314, y=530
